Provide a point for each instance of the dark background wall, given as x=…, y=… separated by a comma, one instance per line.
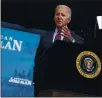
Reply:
x=39, y=13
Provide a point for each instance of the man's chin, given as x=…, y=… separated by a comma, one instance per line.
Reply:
x=59, y=26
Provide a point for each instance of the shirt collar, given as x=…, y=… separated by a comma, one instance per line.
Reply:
x=56, y=30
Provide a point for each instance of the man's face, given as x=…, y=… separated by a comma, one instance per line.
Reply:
x=61, y=17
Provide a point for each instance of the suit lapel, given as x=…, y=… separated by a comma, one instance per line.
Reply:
x=48, y=39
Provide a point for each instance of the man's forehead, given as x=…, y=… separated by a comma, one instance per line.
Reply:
x=63, y=7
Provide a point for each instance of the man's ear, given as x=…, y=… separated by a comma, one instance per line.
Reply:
x=69, y=19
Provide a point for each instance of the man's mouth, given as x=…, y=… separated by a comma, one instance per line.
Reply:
x=59, y=22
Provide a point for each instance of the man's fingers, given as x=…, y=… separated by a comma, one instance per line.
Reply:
x=66, y=33
x=65, y=29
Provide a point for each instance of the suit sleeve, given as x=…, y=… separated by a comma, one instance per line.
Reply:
x=78, y=39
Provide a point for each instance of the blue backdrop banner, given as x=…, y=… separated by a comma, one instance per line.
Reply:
x=18, y=51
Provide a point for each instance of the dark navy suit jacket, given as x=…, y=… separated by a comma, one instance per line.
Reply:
x=46, y=42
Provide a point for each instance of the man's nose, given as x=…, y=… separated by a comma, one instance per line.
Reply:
x=59, y=16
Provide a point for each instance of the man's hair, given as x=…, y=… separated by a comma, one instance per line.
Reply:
x=70, y=11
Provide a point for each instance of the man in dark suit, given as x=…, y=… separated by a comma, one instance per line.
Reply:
x=62, y=18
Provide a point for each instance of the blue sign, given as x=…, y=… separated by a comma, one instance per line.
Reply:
x=18, y=51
